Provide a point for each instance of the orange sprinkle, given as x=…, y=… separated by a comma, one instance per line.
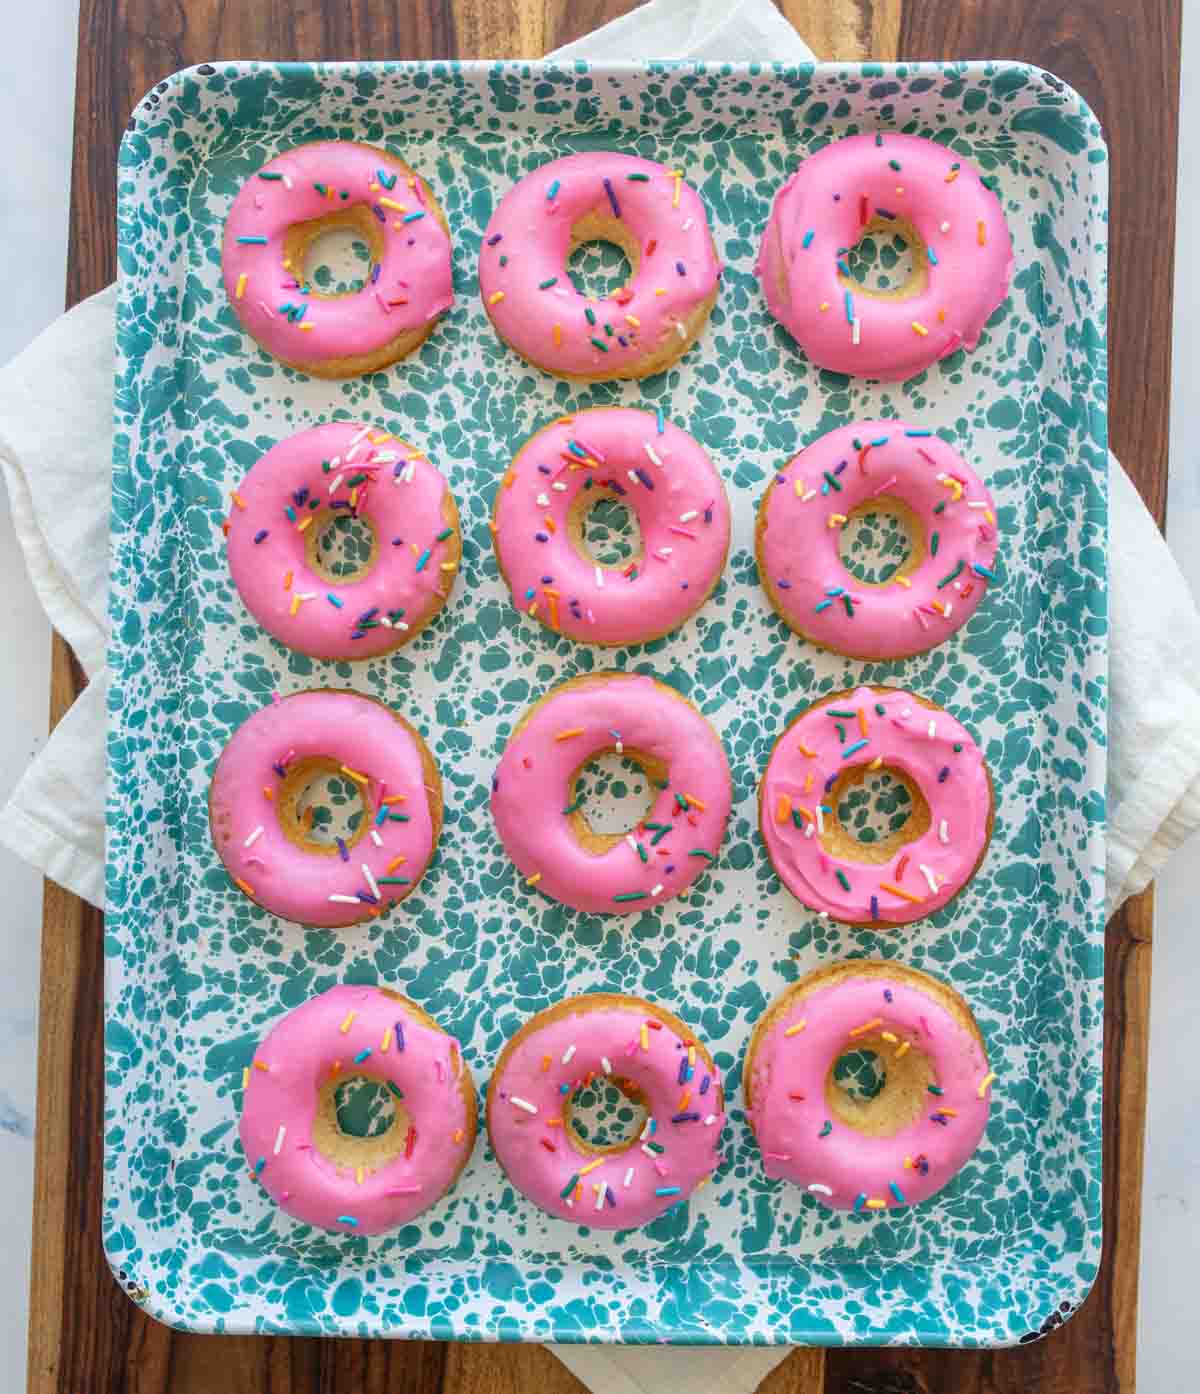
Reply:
x=557, y=334
x=459, y=1135
x=569, y=733
x=395, y=798
x=509, y=479
x=889, y=1036
x=687, y=1094
x=824, y=305
x=534, y=879
x=391, y=203
x=949, y=1112
x=394, y=863
x=804, y=750
x=675, y=195
x=591, y=1166
x=307, y=327
x=354, y=496
x=808, y=783
x=695, y=802
x=939, y=607
x=245, y=1077
x=982, y=232
x=783, y=809
x=875, y=764
x=952, y=176
x=237, y=498
x=901, y=892
x=305, y=523
x=941, y=317
x=866, y=1026
x=287, y=581
x=334, y=1068
x=554, y=1122
x=261, y=1065
x=633, y=319
x=862, y=721
x=805, y=813
x=358, y=1176
x=242, y=886
x=550, y=523
x=545, y=1063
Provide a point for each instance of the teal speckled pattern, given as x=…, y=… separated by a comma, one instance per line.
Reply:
x=196, y=973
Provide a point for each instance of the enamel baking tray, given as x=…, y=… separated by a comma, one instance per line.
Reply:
x=196, y=973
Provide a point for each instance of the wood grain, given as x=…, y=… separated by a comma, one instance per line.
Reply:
x=86, y=1337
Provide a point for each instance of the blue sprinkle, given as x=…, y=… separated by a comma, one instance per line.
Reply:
x=942, y=774
x=849, y=308
x=375, y=271
x=347, y=1220
x=412, y=217
x=888, y=995
x=258, y=536
x=918, y=433
x=874, y=907
x=808, y=237
x=333, y=600
x=544, y=469
x=662, y=425
x=933, y=261
x=896, y=1191
x=843, y=268
x=880, y=440
x=553, y=189
x=253, y=241
x=824, y=605
x=258, y=1166
x=859, y=1201
x=423, y=559
x=704, y=1083
x=362, y=1055
x=850, y=749
x=382, y=815
x=983, y=571
x=379, y=213
x=668, y=1190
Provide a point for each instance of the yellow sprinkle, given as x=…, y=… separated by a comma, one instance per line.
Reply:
x=875, y=764
x=783, y=809
x=862, y=722
x=358, y=1176
x=237, y=498
x=557, y=334
x=569, y=733
x=458, y=1135
x=645, y=1034
x=345, y=1026
x=246, y=1076
x=804, y=750
x=901, y=892
x=908, y=1161
x=919, y=328
x=905, y=1047
x=355, y=775
x=241, y=287
x=903, y=581
x=982, y=233
x=866, y=1026
x=984, y=1082
x=534, y=879
x=633, y=319
x=354, y=496
x=876, y=1204
x=287, y=581
x=379, y=440
x=287, y=265
x=835, y=520
x=545, y=1063
x=675, y=195
x=889, y=1036
x=990, y=516
x=805, y=813
x=391, y=203
x=692, y=1056
x=307, y=327
x=495, y=297
x=243, y=886
x=661, y=290
x=387, y=1040
x=824, y=306
x=448, y=565
x=799, y=486
x=533, y=609
x=295, y=605
x=591, y=1166
x=394, y=863
x=305, y=523
x=795, y=1030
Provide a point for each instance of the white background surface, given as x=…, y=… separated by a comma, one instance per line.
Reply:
x=37, y=79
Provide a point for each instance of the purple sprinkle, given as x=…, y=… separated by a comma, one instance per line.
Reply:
x=612, y=198
x=258, y=536
x=278, y=768
x=616, y=486
x=608, y=1196
x=545, y=469
x=887, y=994
x=874, y=907
x=784, y=585
x=547, y=580
x=704, y=1083
x=359, y=634
x=840, y=468
x=495, y=237
x=397, y=542
x=944, y=772
x=686, y=1118
x=645, y=478
x=542, y=536
x=683, y=585
x=399, y=1035
x=937, y=1118
x=339, y=503
x=708, y=515
x=669, y=870
x=829, y=782
x=375, y=270
x=379, y=213
x=622, y=340
x=343, y=851
x=679, y=266
x=368, y=614
x=682, y=1070
x=781, y=478
x=837, y=198
x=884, y=213
x=495, y=782
x=366, y=898
x=412, y=241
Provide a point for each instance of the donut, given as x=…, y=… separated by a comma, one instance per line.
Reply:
x=889, y=184
x=647, y=210
x=655, y=1061
x=282, y=511
x=292, y=201
x=915, y=1134
x=657, y=471
x=294, y=1144
x=256, y=807
x=831, y=749
x=876, y=467
x=537, y=808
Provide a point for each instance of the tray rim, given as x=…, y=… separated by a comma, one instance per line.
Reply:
x=1070, y=1294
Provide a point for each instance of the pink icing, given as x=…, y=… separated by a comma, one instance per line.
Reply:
x=413, y=284
x=532, y=232
x=350, y=730
x=845, y=1168
x=664, y=477
x=943, y=198
x=530, y=792
x=402, y=498
x=600, y=1042
x=300, y=1053
x=884, y=459
x=954, y=783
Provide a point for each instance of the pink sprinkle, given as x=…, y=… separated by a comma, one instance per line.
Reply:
x=402, y=1190
x=304, y=1147
x=420, y=193
x=777, y=1156
x=266, y=309
x=927, y=609
x=631, y=1047
x=921, y=620
x=402, y=283
x=283, y=1195
x=387, y=309
x=824, y=862
x=441, y=1071
x=985, y=532
x=275, y=697
x=658, y=1167
x=682, y=532
x=255, y=861
x=379, y=797
x=590, y=617
x=886, y=485
x=925, y=1024
x=662, y=556
x=925, y=455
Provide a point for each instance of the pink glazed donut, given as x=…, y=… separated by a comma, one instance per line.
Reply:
x=295, y=199
x=662, y=475
x=257, y=815
x=284, y=506
x=657, y=220
x=655, y=1061
x=898, y=1147
x=935, y=200
x=877, y=467
x=538, y=813
x=834, y=746
x=289, y=1127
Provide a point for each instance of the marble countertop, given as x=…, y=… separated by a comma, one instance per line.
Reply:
x=37, y=75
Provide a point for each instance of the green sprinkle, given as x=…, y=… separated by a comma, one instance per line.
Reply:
x=545, y=285
x=504, y=261
x=639, y=178
x=933, y=1089
x=796, y=818
x=590, y=313
x=700, y=852
x=879, y=709
x=894, y=164
x=681, y=801
x=321, y=189
x=600, y=344
x=655, y=1147
x=842, y=880
x=849, y=605
x=392, y=881
x=941, y=507
x=826, y=1129
x=630, y=895
x=358, y=479
x=841, y=730
x=645, y=856
x=572, y=807
x=443, y=535
x=325, y=466
x=838, y=711
x=659, y=835
x=933, y=545
x=834, y=483
x=268, y=174
x=569, y=1187
x=958, y=747
x=395, y=1088
x=399, y=817
x=945, y=581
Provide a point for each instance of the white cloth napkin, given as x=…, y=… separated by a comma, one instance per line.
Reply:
x=56, y=449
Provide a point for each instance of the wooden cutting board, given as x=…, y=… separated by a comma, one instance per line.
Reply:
x=85, y=1335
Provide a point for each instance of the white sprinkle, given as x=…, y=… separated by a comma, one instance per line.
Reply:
x=906, y=711
x=710, y=1120
x=943, y=831
x=335, y=462
x=820, y=1190
x=306, y=595
x=664, y=552
x=689, y=515
x=279, y=1137
x=385, y=622
x=522, y=1103
x=633, y=475
x=646, y=1129
x=649, y=1151
x=654, y=456
x=409, y=470
x=679, y=327
x=606, y=1064
x=932, y=729
x=620, y=746
x=945, y=227
x=372, y=884
x=977, y=503
x=254, y=836
x=287, y=182
x=599, y=1195
x=656, y=891
x=856, y=330
x=809, y=829
x=930, y=879
x=570, y=1205
x=632, y=844
x=568, y=1055
x=385, y=457
x=399, y=624
x=628, y=1178
x=820, y=821
x=687, y=224
x=812, y=493
x=949, y=610
x=375, y=838
x=543, y=501
x=357, y=437
x=345, y=900
x=599, y=579
x=559, y=486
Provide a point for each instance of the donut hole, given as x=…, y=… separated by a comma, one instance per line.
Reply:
x=342, y=547
x=609, y=795
x=604, y=530
x=603, y=257
x=881, y=539
x=318, y=804
x=874, y=812
x=888, y=262
x=360, y=1121
x=877, y=1088
x=333, y=255
x=605, y=1115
